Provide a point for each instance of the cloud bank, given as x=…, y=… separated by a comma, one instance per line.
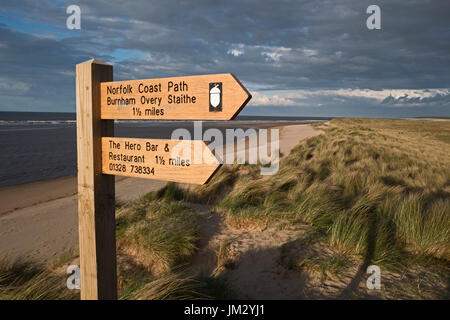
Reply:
x=303, y=56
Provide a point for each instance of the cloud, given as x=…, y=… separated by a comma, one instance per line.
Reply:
x=345, y=97
x=419, y=99
x=235, y=52
x=7, y=86
x=381, y=95
x=294, y=53
x=259, y=99
x=275, y=53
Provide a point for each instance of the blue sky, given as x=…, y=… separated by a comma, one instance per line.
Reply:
x=304, y=58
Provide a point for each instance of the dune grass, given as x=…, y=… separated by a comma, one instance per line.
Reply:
x=375, y=188
x=21, y=280
x=176, y=285
x=156, y=236
x=159, y=230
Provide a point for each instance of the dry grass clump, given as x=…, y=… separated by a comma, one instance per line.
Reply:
x=22, y=280
x=167, y=286
x=159, y=231
x=422, y=225
x=325, y=267
x=225, y=258
x=220, y=184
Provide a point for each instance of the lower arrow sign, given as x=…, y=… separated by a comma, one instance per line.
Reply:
x=186, y=161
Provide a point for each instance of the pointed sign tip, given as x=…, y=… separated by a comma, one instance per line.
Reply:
x=219, y=165
x=95, y=61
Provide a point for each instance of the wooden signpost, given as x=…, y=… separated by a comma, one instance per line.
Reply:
x=101, y=156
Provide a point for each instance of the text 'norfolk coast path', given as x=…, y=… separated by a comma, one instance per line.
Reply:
x=205, y=97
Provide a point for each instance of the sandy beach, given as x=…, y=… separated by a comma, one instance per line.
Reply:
x=38, y=221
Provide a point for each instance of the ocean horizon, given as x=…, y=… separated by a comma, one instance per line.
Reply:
x=40, y=146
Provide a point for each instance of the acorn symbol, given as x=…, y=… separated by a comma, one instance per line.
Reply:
x=215, y=96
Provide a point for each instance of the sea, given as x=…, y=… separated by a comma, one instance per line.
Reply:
x=37, y=146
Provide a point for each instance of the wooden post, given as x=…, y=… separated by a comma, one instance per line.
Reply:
x=96, y=203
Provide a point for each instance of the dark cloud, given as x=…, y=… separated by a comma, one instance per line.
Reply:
x=276, y=45
x=406, y=100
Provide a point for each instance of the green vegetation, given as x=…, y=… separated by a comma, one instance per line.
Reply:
x=375, y=188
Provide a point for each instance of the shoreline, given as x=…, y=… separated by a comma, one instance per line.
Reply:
x=30, y=157
x=39, y=221
x=24, y=195
x=28, y=194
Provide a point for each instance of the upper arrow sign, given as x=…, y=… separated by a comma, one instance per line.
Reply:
x=207, y=97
